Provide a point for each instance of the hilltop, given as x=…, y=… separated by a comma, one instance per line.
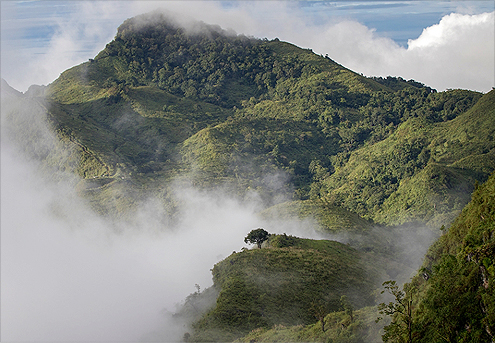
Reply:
x=290, y=281
x=162, y=102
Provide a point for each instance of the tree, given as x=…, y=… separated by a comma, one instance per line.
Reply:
x=257, y=236
x=400, y=329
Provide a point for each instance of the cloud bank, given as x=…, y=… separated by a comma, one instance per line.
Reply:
x=69, y=274
x=457, y=52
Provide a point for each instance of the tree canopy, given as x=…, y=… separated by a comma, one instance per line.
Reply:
x=257, y=236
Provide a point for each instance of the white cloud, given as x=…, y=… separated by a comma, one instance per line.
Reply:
x=457, y=52
x=68, y=275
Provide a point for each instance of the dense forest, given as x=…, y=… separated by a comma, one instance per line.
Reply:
x=232, y=109
x=369, y=158
x=452, y=297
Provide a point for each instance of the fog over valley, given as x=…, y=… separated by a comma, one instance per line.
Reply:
x=69, y=274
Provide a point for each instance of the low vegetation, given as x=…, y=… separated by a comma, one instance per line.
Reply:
x=290, y=281
x=161, y=102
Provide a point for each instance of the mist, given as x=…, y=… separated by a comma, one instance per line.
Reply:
x=69, y=274
x=462, y=39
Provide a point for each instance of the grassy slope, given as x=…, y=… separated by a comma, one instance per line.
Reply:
x=455, y=303
x=127, y=127
x=339, y=328
x=279, y=283
x=274, y=134
x=422, y=170
x=147, y=133
x=338, y=73
x=330, y=218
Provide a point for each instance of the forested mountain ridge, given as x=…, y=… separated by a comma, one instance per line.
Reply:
x=452, y=296
x=162, y=101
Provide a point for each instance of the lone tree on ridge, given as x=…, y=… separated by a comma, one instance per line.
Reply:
x=257, y=236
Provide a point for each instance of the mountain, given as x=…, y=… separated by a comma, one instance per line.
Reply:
x=373, y=162
x=162, y=101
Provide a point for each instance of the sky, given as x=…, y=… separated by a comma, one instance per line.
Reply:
x=443, y=44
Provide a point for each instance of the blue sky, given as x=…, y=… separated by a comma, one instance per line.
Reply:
x=40, y=39
x=398, y=20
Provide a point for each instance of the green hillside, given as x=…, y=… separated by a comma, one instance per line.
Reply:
x=424, y=169
x=162, y=102
x=454, y=292
x=285, y=283
x=342, y=326
x=452, y=295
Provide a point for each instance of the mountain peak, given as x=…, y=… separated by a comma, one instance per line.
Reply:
x=9, y=90
x=165, y=20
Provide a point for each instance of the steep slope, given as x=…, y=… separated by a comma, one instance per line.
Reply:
x=286, y=282
x=134, y=111
x=425, y=169
x=162, y=102
x=455, y=290
x=453, y=298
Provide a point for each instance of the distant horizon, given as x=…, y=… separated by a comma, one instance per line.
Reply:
x=443, y=44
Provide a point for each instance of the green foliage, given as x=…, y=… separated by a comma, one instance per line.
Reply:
x=416, y=171
x=400, y=329
x=347, y=306
x=161, y=101
x=257, y=236
x=277, y=285
x=339, y=328
x=398, y=83
x=456, y=284
x=203, y=64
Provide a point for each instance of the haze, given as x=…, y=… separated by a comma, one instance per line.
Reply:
x=443, y=44
x=69, y=274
